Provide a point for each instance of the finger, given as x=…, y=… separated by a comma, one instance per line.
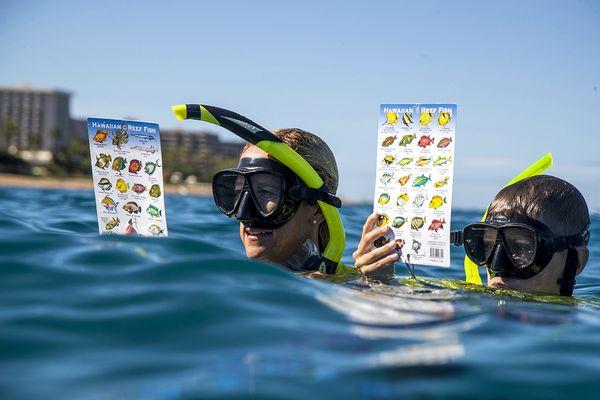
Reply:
x=368, y=269
x=376, y=254
x=370, y=223
x=366, y=243
x=370, y=237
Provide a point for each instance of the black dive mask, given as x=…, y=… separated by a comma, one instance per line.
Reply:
x=519, y=248
x=263, y=193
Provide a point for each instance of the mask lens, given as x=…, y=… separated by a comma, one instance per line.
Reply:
x=267, y=190
x=227, y=187
x=479, y=242
x=521, y=245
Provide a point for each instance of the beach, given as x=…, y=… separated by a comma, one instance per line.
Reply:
x=85, y=183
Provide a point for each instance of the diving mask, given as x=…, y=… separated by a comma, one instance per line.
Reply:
x=263, y=193
x=520, y=248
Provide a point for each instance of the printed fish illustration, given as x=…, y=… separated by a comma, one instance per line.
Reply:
x=417, y=223
x=132, y=207
x=422, y=161
x=386, y=177
x=150, y=167
x=425, y=118
x=105, y=184
x=109, y=204
x=100, y=136
x=154, y=211
x=421, y=180
x=135, y=166
x=122, y=186
x=112, y=224
x=437, y=224
x=445, y=142
x=444, y=118
x=441, y=183
x=154, y=191
x=416, y=246
x=383, y=198
x=155, y=230
x=388, y=141
x=402, y=181
x=398, y=222
x=425, y=141
x=407, y=139
x=149, y=149
x=138, y=188
x=103, y=160
x=382, y=219
x=388, y=160
x=391, y=118
x=120, y=137
x=436, y=202
x=119, y=164
x=405, y=161
x=407, y=119
x=442, y=161
x=402, y=199
x=419, y=200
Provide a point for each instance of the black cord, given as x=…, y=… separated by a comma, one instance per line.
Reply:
x=410, y=267
x=567, y=282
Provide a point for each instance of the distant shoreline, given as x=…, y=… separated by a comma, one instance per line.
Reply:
x=81, y=183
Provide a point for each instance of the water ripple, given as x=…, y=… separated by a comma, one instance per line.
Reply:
x=84, y=316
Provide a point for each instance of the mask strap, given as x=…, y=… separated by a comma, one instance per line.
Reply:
x=567, y=282
x=313, y=195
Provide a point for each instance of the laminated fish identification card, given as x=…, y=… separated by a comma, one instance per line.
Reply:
x=128, y=179
x=415, y=169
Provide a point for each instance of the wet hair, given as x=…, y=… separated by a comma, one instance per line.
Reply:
x=548, y=199
x=318, y=154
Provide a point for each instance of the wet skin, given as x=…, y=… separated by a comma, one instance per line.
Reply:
x=278, y=245
x=544, y=282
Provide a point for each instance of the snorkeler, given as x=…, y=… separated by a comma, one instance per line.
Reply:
x=282, y=192
x=534, y=238
x=279, y=219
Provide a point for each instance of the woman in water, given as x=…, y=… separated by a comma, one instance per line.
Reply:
x=279, y=223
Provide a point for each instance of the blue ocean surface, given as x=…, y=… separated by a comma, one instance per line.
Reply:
x=90, y=317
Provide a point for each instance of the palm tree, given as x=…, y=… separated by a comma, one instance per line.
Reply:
x=8, y=131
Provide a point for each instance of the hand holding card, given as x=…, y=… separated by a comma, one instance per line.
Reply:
x=377, y=251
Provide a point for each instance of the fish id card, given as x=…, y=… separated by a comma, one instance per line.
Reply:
x=128, y=177
x=415, y=170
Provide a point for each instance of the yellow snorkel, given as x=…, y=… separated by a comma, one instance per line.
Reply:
x=267, y=141
x=471, y=271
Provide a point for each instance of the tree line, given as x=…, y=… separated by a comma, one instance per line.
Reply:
x=72, y=159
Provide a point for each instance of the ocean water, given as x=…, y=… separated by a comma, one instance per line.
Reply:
x=84, y=316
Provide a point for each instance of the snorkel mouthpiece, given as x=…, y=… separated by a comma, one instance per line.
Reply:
x=276, y=148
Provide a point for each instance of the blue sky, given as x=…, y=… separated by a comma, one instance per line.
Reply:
x=525, y=75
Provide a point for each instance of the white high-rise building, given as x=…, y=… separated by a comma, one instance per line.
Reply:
x=34, y=118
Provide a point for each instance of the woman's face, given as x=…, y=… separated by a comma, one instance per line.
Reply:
x=278, y=245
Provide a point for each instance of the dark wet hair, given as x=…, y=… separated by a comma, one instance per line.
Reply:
x=548, y=199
